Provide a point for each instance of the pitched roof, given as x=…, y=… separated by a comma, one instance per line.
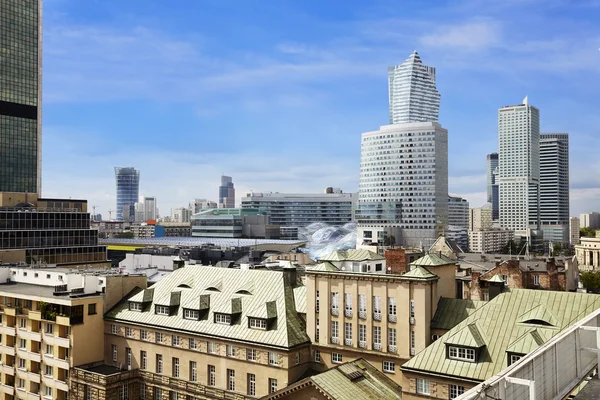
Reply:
x=450, y=312
x=501, y=322
x=352, y=255
x=273, y=296
x=469, y=336
x=350, y=381
x=419, y=272
x=433, y=260
x=324, y=266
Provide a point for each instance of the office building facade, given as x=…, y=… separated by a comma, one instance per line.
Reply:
x=197, y=205
x=226, y=193
x=413, y=96
x=493, y=194
x=233, y=223
x=554, y=187
x=519, y=167
x=458, y=212
x=20, y=96
x=297, y=210
x=480, y=218
x=590, y=220
x=574, y=232
x=128, y=192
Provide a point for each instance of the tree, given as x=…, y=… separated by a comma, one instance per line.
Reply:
x=556, y=249
x=590, y=280
x=514, y=248
x=124, y=235
x=587, y=232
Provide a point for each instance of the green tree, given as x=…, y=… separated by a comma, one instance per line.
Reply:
x=514, y=248
x=587, y=232
x=556, y=249
x=590, y=280
x=124, y=235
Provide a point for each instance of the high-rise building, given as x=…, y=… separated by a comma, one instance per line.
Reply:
x=20, y=96
x=574, y=231
x=554, y=187
x=180, y=214
x=590, y=220
x=128, y=190
x=403, y=188
x=197, y=205
x=413, y=96
x=519, y=167
x=458, y=211
x=492, y=184
x=145, y=210
x=226, y=193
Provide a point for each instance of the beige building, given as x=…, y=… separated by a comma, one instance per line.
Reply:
x=574, y=232
x=489, y=241
x=382, y=318
x=588, y=253
x=51, y=320
x=202, y=332
x=480, y=218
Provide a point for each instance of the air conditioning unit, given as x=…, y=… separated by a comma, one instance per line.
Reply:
x=412, y=352
x=412, y=320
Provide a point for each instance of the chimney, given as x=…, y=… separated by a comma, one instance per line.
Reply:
x=290, y=275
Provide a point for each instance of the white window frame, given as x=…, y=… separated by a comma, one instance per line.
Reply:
x=49, y=328
x=175, y=368
x=392, y=306
x=389, y=367
x=159, y=337
x=423, y=386
x=115, y=352
x=536, y=280
x=49, y=370
x=317, y=302
x=514, y=358
x=251, y=355
x=124, y=392
x=211, y=348
x=212, y=375
x=192, y=344
x=336, y=358
x=257, y=323
x=273, y=358
x=191, y=314
x=114, y=329
x=224, y=319
x=461, y=353
x=135, y=306
x=335, y=302
x=334, y=330
x=176, y=341
x=128, y=332
x=362, y=303
x=377, y=334
x=231, y=380
x=144, y=335
x=317, y=356
x=143, y=359
x=272, y=385
x=230, y=351
x=161, y=310
x=455, y=391
x=391, y=336
x=362, y=333
x=159, y=364
x=251, y=385
x=412, y=308
x=128, y=356
x=348, y=303
x=348, y=331
x=193, y=371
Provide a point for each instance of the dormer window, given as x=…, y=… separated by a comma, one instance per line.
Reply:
x=161, y=310
x=514, y=357
x=191, y=314
x=461, y=353
x=257, y=323
x=135, y=306
x=224, y=319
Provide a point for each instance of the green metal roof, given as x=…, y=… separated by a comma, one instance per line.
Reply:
x=433, y=260
x=469, y=336
x=325, y=266
x=352, y=255
x=528, y=342
x=419, y=272
x=272, y=297
x=498, y=321
x=537, y=315
x=450, y=312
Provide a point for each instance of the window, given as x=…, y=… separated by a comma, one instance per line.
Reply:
x=157, y=393
x=212, y=347
x=158, y=337
x=536, y=280
x=362, y=306
x=317, y=356
x=377, y=338
x=114, y=330
x=114, y=352
x=231, y=380
x=377, y=308
x=251, y=354
x=251, y=385
x=362, y=334
x=412, y=308
x=230, y=350
x=317, y=302
x=161, y=310
x=128, y=332
x=175, y=363
x=317, y=330
x=21, y=383
x=456, y=390
x=348, y=304
x=434, y=337
x=505, y=279
x=392, y=309
x=348, y=334
x=296, y=358
x=22, y=323
x=22, y=343
x=191, y=314
x=159, y=364
x=193, y=371
x=143, y=360
x=142, y=391
x=176, y=340
x=422, y=386
x=412, y=340
x=92, y=309
x=123, y=393
x=336, y=358
x=514, y=358
x=272, y=385
x=134, y=306
x=22, y=363
x=257, y=323
x=334, y=332
x=193, y=344
x=392, y=339
x=172, y=395
x=144, y=335
x=389, y=366
x=48, y=371
x=128, y=356
x=49, y=328
x=273, y=359
x=50, y=350
x=211, y=375
x=334, y=303
x=48, y=392
x=461, y=353
x=224, y=319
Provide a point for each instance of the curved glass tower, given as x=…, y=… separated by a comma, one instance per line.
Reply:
x=128, y=189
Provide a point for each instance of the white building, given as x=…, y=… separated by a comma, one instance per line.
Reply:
x=519, y=166
x=554, y=187
x=299, y=209
x=590, y=220
x=574, y=231
x=588, y=253
x=181, y=214
x=489, y=241
x=480, y=218
x=413, y=96
x=492, y=184
x=146, y=209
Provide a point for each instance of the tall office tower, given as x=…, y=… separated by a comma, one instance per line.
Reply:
x=197, y=205
x=492, y=184
x=226, y=193
x=403, y=188
x=128, y=191
x=519, y=167
x=574, y=231
x=554, y=187
x=458, y=211
x=413, y=96
x=150, y=209
x=20, y=96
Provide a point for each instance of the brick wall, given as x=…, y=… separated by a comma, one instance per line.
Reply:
x=396, y=261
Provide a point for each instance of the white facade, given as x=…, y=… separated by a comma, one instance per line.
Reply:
x=413, y=96
x=198, y=205
x=590, y=220
x=588, y=253
x=146, y=209
x=88, y=282
x=574, y=231
x=492, y=174
x=180, y=214
x=404, y=182
x=554, y=187
x=519, y=167
x=480, y=218
x=489, y=241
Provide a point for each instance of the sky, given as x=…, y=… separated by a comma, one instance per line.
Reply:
x=276, y=94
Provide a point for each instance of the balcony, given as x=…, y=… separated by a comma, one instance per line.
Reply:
x=28, y=375
x=62, y=320
x=28, y=355
x=56, y=340
x=7, y=369
x=362, y=314
x=32, y=396
x=392, y=317
x=348, y=312
x=362, y=344
x=29, y=335
x=392, y=349
x=377, y=315
x=35, y=315
x=335, y=340
x=335, y=312
x=12, y=311
x=377, y=346
x=348, y=342
x=8, y=330
x=7, y=350
x=10, y=390
x=56, y=362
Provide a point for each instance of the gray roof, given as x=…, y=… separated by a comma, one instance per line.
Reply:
x=229, y=291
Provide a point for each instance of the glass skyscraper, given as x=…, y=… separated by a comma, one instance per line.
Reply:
x=226, y=193
x=20, y=96
x=492, y=184
x=413, y=96
x=128, y=190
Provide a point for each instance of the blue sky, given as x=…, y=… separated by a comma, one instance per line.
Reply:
x=277, y=93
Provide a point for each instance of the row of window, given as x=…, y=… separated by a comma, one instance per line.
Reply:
x=362, y=306
x=424, y=387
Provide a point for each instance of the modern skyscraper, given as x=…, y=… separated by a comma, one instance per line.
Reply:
x=413, y=96
x=20, y=96
x=226, y=193
x=492, y=184
x=554, y=187
x=519, y=167
x=128, y=190
x=403, y=188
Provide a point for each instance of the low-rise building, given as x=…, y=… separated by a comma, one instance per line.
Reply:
x=489, y=241
x=203, y=332
x=588, y=253
x=234, y=223
x=355, y=260
x=491, y=338
x=176, y=229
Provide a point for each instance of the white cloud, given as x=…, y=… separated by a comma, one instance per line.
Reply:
x=471, y=35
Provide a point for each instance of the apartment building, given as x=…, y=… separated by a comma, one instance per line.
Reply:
x=489, y=241
x=384, y=319
x=51, y=319
x=202, y=332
